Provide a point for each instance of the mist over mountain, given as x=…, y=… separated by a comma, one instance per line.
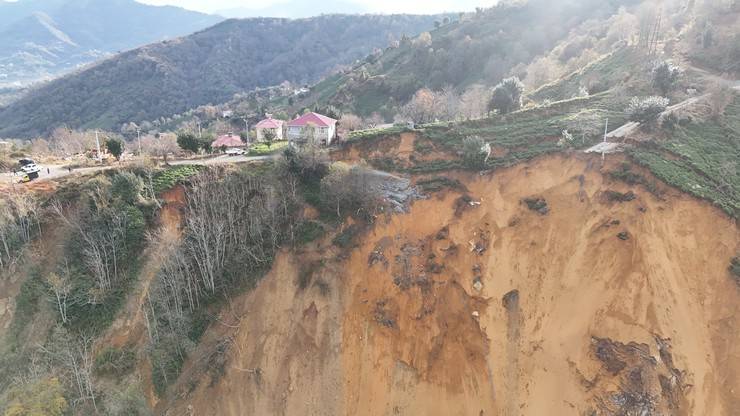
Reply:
x=210, y=66
x=40, y=39
x=295, y=9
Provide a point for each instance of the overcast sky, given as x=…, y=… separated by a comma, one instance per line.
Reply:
x=372, y=6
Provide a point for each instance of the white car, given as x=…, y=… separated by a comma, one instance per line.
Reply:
x=235, y=151
x=30, y=168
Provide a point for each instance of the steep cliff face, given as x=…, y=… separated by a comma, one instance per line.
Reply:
x=473, y=303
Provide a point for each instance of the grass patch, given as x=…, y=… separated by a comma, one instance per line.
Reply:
x=376, y=133
x=173, y=175
x=700, y=159
x=262, y=149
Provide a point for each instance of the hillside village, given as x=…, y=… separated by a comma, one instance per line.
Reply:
x=525, y=209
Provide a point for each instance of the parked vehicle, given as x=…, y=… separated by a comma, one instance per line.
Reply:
x=30, y=168
x=28, y=177
x=235, y=151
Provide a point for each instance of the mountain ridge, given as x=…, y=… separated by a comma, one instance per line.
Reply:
x=44, y=40
x=208, y=66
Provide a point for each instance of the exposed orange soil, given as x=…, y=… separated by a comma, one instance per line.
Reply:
x=563, y=314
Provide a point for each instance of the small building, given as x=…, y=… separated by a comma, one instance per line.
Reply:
x=228, y=141
x=313, y=127
x=269, y=124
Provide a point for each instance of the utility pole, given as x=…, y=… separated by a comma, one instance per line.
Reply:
x=200, y=132
x=138, y=137
x=603, y=153
x=246, y=127
x=97, y=143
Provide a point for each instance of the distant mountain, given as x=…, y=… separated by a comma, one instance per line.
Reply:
x=210, y=66
x=44, y=38
x=296, y=9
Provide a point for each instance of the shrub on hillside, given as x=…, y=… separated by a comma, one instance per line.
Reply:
x=646, y=110
x=115, y=147
x=475, y=152
x=42, y=397
x=507, y=96
x=126, y=186
x=665, y=77
x=114, y=361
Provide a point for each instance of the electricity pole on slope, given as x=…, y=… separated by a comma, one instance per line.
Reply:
x=97, y=143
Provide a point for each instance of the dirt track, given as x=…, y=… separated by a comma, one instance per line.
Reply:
x=403, y=329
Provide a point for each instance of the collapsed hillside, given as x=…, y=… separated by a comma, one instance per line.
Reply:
x=473, y=303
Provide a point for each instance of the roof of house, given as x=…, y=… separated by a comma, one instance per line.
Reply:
x=228, y=140
x=312, y=118
x=269, y=123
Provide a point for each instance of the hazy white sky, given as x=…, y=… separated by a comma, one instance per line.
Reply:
x=374, y=6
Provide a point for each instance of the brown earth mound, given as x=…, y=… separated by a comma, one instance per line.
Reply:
x=497, y=310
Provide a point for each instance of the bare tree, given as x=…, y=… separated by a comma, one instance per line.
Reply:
x=424, y=107
x=161, y=146
x=473, y=101
x=587, y=122
x=73, y=356
x=60, y=288
x=66, y=142
x=102, y=244
x=350, y=122
x=374, y=120
x=19, y=220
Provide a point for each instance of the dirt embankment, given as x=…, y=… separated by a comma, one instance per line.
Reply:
x=580, y=306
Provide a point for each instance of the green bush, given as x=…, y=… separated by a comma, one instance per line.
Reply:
x=117, y=362
x=308, y=231
x=126, y=186
x=474, y=152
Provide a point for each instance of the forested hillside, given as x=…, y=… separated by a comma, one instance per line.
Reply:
x=480, y=48
x=206, y=67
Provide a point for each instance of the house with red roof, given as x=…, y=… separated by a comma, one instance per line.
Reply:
x=269, y=125
x=313, y=127
x=228, y=141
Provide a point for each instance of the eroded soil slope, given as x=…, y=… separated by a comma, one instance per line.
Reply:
x=580, y=306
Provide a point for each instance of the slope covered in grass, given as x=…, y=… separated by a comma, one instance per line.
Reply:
x=701, y=159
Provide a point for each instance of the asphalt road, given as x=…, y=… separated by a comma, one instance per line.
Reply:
x=60, y=171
